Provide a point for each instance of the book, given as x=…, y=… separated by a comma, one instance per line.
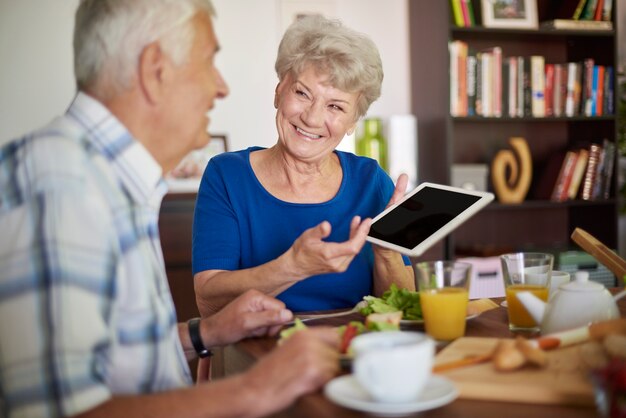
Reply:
x=579, y=9
x=587, y=87
x=457, y=14
x=609, y=91
x=479, y=84
x=597, y=16
x=590, y=172
x=579, y=172
x=590, y=10
x=511, y=63
x=568, y=24
x=561, y=187
x=600, y=91
x=527, y=87
x=607, y=11
x=520, y=86
x=609, y=163
x=578, y=87
x=470, y=9
x=487, y=83
x=471, y=85
x=596, y=187
x=465, y=13
x=559, y=90
x=549, y=90
x=537, y=80
x=570, y=100
x=454, y=48
x=594, y=91
x=497, y=81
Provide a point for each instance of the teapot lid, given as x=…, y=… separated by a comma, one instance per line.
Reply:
x=581, y=283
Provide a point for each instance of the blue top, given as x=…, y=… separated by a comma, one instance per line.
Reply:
x=238, y=225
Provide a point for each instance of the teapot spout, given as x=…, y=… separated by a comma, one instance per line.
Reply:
x=535, y=306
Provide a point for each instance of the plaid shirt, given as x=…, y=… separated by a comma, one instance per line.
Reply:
x=84, y=300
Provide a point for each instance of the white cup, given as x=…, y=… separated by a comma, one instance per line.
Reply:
x=393, y=366
x=557, y=279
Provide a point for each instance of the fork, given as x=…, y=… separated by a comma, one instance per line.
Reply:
x=312, y=317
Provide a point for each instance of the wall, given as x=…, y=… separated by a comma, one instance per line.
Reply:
x=36, y=76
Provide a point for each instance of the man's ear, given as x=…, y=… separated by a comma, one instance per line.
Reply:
x=152, y=67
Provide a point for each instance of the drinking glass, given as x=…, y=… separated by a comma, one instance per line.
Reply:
x=525, y=272
x=444, y=293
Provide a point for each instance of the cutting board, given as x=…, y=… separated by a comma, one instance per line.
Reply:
x=564, y=381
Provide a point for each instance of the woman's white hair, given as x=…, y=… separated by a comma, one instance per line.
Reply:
x=109, y=36
x=349, y=58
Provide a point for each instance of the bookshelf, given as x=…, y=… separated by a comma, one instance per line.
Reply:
x=444, y=140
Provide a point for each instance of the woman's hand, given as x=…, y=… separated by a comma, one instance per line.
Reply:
x=388, y=264
x=400, y=189
x=310, y=255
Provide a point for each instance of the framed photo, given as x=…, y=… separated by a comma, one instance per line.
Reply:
x=509, y=14
x=185, y=178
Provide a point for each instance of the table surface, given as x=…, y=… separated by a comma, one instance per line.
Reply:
x=493, y=323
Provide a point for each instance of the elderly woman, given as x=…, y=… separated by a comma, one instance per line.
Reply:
x=291, y=220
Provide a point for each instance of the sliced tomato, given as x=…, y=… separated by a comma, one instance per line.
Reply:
x=350, y=332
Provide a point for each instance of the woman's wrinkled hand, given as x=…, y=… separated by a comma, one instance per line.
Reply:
x=310, y=255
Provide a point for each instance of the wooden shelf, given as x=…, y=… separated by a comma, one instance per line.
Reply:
x=445, y=140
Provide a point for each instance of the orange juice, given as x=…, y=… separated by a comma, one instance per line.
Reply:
x=444, y=312
x=519, y=318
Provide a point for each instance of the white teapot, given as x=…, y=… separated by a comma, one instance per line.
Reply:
x=574, y=304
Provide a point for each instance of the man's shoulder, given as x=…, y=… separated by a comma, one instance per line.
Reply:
x=56, y=153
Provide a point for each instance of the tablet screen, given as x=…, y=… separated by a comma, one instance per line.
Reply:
x=421, y=215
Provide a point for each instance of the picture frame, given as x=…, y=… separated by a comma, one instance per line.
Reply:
x=185, y=178
x=509, y=14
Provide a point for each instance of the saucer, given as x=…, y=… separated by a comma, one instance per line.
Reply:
x=346, y=391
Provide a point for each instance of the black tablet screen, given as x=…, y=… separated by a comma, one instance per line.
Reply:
x=421, y=215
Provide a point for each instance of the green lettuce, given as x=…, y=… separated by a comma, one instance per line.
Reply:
x=394, y=300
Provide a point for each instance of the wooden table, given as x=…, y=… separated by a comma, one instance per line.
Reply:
x=493, y=323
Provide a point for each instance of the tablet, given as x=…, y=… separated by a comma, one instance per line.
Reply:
x=424, y=216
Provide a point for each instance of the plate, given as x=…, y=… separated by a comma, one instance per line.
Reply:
x=409, y=322
x=346, y=391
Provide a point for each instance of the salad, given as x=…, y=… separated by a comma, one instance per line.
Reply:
x=393, y=300
x=347, y=333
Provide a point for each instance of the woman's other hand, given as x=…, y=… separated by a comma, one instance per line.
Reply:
x=310, y=255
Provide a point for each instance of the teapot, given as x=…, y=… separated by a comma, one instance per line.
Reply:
x=574, y=304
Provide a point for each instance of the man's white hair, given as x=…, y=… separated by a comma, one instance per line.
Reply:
x=109, y=36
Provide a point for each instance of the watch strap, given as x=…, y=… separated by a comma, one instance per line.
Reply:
x=196, y=340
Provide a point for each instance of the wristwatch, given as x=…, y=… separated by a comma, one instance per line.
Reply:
x=196, y=340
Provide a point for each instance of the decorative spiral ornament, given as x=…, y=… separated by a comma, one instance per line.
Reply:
x=511, y=172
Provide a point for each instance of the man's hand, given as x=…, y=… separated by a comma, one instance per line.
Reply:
x=303, y=363
x=252, y=314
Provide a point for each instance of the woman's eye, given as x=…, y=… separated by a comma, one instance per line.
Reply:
x=301, y=93
x=335, y=107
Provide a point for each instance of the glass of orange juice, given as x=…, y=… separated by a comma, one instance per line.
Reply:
x=444, y=293
x=525, y=272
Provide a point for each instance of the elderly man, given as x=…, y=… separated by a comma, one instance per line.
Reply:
x=88, y=323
